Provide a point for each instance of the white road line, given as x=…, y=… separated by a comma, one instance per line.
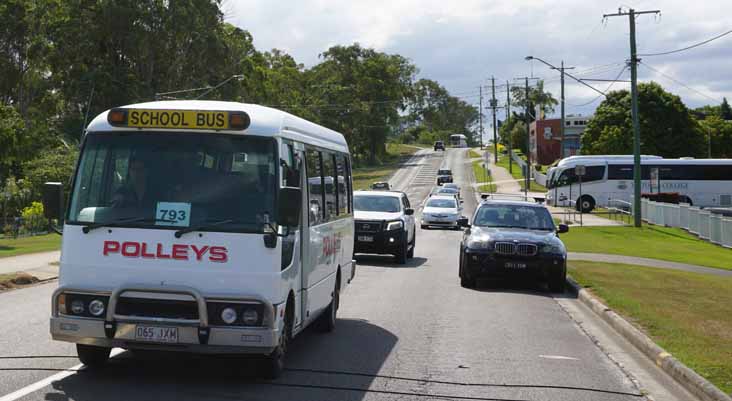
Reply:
x=567, y=358
x=47, y=381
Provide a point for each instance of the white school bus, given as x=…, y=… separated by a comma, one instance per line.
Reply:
x=202, y=226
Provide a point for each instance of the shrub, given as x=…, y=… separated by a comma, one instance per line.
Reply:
x=33, y=219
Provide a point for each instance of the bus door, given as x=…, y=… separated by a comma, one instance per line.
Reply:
x=293, y=175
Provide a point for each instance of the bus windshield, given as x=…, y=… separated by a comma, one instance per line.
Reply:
x=175, y=180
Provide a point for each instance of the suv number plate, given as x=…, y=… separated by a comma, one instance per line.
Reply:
x=156, y=334
x=514, y=265
x=365, y=238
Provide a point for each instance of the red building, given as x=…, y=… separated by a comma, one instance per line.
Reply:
x=544, y=141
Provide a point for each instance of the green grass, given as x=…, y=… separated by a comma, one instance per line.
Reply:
x=516, y=173
x=364, y=176
x=473, y=154
x=24, y=245
x=688, y=314
x=672, y=244
x=481, y=175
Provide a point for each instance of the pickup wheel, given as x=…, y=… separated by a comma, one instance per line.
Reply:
x=401, y=255
x=410, y=252
x=91, y=356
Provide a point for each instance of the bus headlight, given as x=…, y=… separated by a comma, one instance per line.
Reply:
x=228, y=315
x=250, y=317
x=77, y=307
x=96, y=307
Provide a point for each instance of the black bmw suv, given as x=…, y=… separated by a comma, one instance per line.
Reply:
x=513, y=239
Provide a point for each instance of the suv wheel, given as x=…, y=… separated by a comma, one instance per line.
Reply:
x=557, y=282
x=465, y=280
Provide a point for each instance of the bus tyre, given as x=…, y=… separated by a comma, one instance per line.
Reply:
x=585, y=204
x=327, y=321
x=91, y=356
x=274, y=363
x=557, y=282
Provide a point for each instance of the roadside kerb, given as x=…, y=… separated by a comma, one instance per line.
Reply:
x=689, y=379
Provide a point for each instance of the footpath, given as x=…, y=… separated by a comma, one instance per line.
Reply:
x=42, y=265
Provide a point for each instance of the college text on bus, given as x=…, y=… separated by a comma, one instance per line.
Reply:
x=202, y=226
x=608, y=180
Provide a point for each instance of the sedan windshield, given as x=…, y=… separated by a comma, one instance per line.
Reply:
x=372, y=203
x=441, y=203
x=175, y=180
x=514, y=216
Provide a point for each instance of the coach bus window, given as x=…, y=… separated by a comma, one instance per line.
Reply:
x=315, y=187
x=330, y=192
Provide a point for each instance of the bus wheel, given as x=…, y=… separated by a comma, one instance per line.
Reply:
x=327, y=321
x=585, y=204
x=274, y=363
x=91, y=356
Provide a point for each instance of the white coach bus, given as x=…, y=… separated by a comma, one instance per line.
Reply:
x=202, y=226
x=700, y=182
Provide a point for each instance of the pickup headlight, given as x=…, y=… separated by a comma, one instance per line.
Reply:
x=552, y=249
x=479, y=243
x=394, y=225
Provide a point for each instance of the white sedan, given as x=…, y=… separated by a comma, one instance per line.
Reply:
x=444, y=211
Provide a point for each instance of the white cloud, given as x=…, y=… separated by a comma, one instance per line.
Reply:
x=461, y=43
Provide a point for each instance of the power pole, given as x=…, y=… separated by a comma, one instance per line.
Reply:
x=508, y=115
x=494, y=103
x=480, y=115
x=634, y=105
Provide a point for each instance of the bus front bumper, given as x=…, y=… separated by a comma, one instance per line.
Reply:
x=188, y=335
x=221, y=340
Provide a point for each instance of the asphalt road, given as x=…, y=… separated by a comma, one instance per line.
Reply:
x=404, y=333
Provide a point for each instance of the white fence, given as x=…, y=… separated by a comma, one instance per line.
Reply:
x=539, y=178
x=713, y=227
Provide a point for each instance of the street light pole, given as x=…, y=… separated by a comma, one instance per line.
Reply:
x=561, y=74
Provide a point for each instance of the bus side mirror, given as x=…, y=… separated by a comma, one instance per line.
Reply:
x=289, y=203
x=53, y=199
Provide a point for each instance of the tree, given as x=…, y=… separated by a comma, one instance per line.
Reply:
x=537, y=96
x=55, y=165
x=720, y=132
x=666, y=126
x=431, y=106
x=13, y=141
x=725, y=110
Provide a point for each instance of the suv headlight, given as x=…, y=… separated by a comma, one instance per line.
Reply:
x=551, y=248
x=479, y=243
x=394, y=225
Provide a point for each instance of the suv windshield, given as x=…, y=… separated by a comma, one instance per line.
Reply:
x=372, y=203
x=175, y=180
x=444, y=172
x=514, y=216
x=441, y=203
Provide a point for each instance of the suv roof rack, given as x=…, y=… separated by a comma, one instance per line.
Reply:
x=512, y=197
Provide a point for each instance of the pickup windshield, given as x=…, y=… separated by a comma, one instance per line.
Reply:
x=175, y=180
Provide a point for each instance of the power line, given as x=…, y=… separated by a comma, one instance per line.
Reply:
x=606, y=90
x=679, y=82
x=686, y=48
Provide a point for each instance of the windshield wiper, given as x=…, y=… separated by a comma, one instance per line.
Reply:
x=200, y=227
x=118, y=222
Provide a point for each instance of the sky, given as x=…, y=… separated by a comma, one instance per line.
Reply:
x=463, y=43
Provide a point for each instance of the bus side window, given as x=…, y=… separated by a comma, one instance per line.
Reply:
x=331, y=209
x=342, y=177
x=291, y=165
x=315, y=187
x=349, y=182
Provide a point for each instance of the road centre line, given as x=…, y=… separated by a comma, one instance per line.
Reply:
x=31, y=388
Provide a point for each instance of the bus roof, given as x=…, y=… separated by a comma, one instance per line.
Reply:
x=628, y=159
x=265, y=121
